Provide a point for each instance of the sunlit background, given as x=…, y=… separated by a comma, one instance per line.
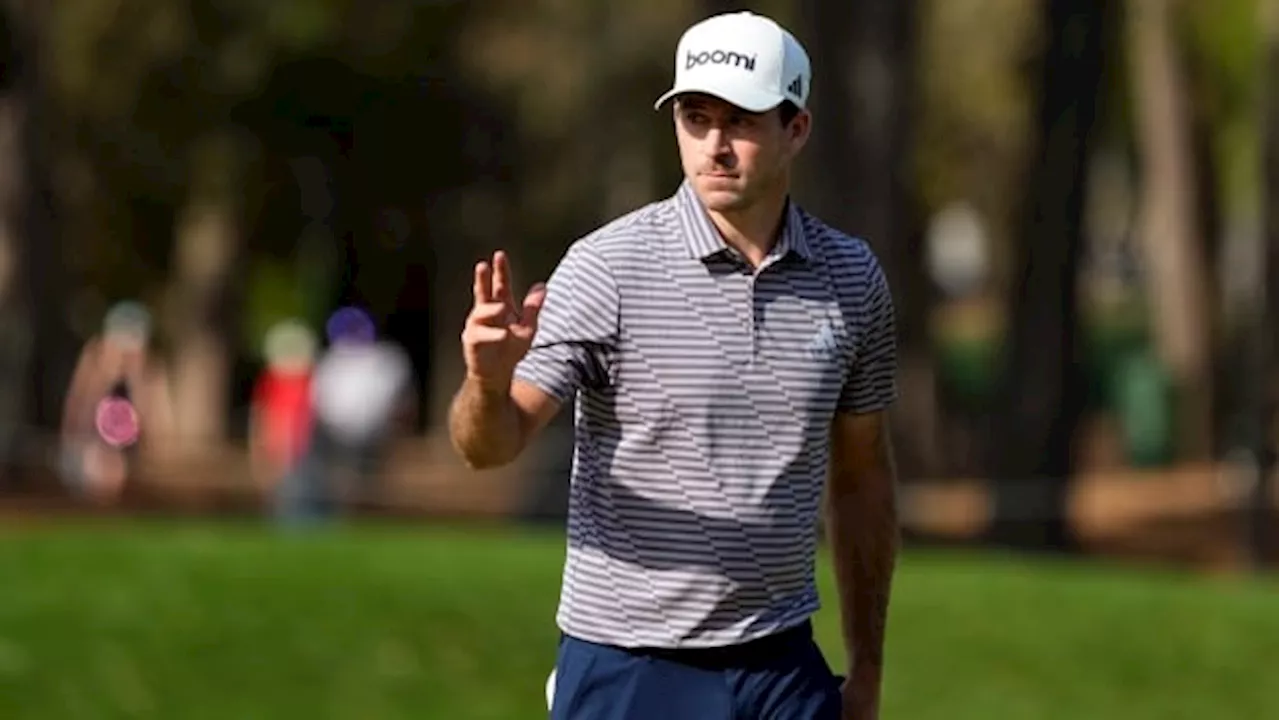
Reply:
x=212, y=209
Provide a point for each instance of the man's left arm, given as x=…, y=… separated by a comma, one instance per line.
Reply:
x=862, y=518
x=862, y=528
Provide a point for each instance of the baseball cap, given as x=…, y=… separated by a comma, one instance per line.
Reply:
x=744, y=59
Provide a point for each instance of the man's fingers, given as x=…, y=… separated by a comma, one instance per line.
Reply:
x=491, y=313
x=483, y=287
x=502, y=291
x=533, y=306
x=484, y=334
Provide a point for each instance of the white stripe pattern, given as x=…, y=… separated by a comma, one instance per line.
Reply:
x=704, y=396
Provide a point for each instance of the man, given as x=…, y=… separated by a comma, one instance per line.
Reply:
x=728, y=354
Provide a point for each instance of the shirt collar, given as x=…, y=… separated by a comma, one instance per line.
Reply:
x=703, y=240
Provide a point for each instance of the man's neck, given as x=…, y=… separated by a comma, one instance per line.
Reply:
x=753, y=231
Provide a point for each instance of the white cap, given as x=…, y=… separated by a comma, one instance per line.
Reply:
x=744, y=59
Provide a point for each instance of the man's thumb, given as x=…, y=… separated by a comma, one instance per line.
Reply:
x=533, y=306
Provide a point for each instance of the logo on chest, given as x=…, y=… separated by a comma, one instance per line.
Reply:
x=823, y=344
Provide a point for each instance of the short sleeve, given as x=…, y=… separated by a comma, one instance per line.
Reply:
x=577, y=329
x=872, y=385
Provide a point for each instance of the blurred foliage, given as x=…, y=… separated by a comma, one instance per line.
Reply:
x=137, y=80
x=137, y=83
x=522, y=123
x=975, y=116
x=275, y=293
x=1222, y=44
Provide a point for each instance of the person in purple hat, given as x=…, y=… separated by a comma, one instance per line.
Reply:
x=361, y=398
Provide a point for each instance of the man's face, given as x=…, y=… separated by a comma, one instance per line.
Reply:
x=734, y=157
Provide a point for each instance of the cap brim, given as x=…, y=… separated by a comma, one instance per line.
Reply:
x=749, y=99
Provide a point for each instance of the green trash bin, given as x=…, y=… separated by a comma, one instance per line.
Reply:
x=1111, y=340
x=1143, y=401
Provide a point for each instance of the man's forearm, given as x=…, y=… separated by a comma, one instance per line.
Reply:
x=863, y=529
x=485, y=425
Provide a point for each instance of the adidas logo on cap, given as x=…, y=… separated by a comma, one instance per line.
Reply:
x=797, y=86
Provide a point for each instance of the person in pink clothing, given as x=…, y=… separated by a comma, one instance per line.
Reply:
x=117, y=407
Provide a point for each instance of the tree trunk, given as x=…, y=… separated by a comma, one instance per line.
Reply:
x=36, y=345
x=14, y=331
x=1167, y=224
x=858, y=178
x=1262, y=500
x=1042, y=389
x=208, y=247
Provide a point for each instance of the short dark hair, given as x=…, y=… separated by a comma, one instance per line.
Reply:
x=788, y=111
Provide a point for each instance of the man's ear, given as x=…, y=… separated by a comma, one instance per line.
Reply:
x=799, y=130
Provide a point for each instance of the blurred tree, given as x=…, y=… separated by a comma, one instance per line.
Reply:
x=971, y=128
x=13, y=344
x=199, y=306
x=976, y=120
x=14, y=330
x=35, y=352
x=860, y=180
x=155, y=89
x=1041, y=395
x=1169, y=230
x=1221, y=44
x=1267, y=331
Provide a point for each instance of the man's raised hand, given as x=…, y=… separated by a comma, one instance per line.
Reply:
x=498, y=332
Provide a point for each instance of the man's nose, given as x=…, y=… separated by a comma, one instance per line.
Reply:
x=717, y=141
x=719, y=149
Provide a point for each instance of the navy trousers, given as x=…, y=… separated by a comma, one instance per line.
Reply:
x=780, y=677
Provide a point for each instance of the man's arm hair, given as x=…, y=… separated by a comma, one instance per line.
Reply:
x=490, y=427
x=862, y=526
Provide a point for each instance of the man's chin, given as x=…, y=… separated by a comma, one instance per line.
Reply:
x=720, y=199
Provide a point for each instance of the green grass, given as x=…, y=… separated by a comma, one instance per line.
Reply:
x=228, y=622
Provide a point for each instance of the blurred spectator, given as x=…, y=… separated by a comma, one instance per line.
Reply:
x=362, y=398
x=117, y=406
x=280, y=410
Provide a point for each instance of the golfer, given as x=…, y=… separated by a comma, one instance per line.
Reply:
x=730, y=356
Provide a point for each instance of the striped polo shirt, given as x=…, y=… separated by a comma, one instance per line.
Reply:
x=705, y=391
